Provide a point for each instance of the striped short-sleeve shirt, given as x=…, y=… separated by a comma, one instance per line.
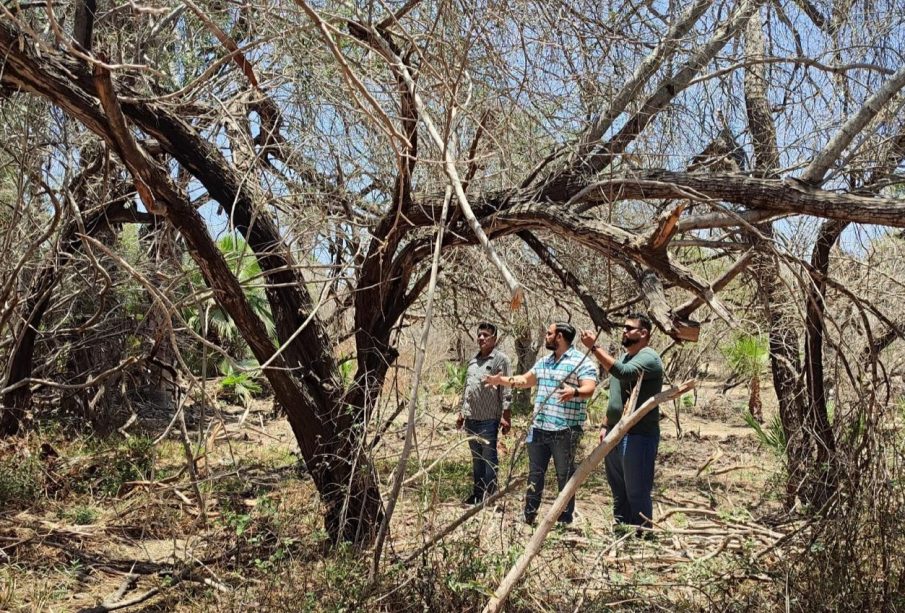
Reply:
x=480, y=402
x=551, y=413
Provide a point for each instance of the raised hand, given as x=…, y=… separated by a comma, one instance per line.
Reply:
x=490, y=380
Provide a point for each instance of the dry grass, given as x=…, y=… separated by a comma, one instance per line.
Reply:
x=260, y=543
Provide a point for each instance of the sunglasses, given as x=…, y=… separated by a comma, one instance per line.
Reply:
x=629, y=328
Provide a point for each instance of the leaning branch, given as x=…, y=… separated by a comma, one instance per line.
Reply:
x=595, y=311
x=820, y=165
x=685, y=310
x=670, y=87
x=772, y=195
x=642, y=74
x=533, y=547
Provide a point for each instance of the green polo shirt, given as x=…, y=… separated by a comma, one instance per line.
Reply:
x=624, y=376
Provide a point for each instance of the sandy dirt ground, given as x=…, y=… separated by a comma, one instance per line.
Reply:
x=711, y=474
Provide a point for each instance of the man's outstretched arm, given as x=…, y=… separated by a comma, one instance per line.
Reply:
x=529, y=379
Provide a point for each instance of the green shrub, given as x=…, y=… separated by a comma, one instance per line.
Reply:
x=125, y=460
x=82, y=515
x=20, y=480
x=239, y=386
x=773, y=437
x=208, y=319
x=455, y=378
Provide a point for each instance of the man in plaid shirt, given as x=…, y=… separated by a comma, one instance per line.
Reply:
x=565, y=380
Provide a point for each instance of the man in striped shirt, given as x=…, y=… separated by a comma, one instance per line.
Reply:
x=484, y=411
x=565, y=380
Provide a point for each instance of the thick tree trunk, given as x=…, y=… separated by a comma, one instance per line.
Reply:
x=817, y=421
x=783, y=340
x=349, y=488
x=785, y=367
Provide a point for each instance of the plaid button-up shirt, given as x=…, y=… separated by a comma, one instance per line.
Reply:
x=478, y=401
x=551, y=413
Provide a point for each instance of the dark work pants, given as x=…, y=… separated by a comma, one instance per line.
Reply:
x=484, y=457
x=561, y=445
x=630, y=473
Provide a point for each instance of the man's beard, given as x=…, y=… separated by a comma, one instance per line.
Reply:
x=551, y=345
x=628, y=342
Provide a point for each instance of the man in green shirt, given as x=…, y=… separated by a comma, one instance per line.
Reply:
x=630, y=466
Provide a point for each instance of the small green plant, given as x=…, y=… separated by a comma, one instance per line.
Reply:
x=772, y=437
x=82, y=515
x=747, y=356
x=446, y=480
x=20, y=480
x=237, y=521
x=467, y=570
x=117, y=462
x=688, y=401
x=455, y=378
x=240, y=386
x=347, y=371
x=345, y=574
x=597, y=407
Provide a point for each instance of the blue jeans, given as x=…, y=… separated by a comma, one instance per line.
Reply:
x=630, y=472
x=561, y=446
x=484, y=457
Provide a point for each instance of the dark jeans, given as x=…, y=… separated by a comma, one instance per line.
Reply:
x=561, y=446
x=630, y=472
x=484, y=457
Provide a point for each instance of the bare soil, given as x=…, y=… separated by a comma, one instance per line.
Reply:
x=711, y=501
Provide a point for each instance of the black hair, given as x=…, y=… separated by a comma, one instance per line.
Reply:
x=485, y=325
x=567, y=331
x=642, y=319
